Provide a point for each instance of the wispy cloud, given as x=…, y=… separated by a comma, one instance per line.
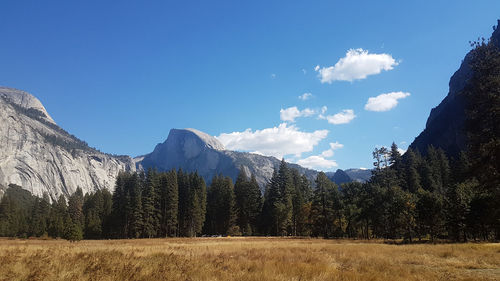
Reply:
x=385, y=102
x=305, y=96
x=357, y=64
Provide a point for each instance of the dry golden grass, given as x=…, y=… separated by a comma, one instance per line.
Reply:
x=244, y=259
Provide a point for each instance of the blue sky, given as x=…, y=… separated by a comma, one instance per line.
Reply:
x=120, y=75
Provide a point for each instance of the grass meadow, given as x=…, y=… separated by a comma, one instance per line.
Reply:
x=245, y=259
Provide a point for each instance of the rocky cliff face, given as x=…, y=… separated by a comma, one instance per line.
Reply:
x=41, y=157
x=192, y=150
x=445, y=125
x=359, y=175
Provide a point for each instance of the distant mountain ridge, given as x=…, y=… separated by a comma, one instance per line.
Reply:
x=41, y=157
x=192, y=150
x=350, y=175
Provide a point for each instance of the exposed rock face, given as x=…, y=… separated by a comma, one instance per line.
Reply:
x=445, y=125
x=339, y=177
x=192, y=150
x=41, y=157
x=25, y=100
x=359, y=175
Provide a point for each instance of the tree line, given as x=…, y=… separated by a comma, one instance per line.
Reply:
x=411, y=197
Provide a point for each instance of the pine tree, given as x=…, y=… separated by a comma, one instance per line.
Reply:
x=408, y=214
x=192, y=203
x=134, y=185
x=58, y=217
x=241, y=193
x=197, y=204
x=273, y=209
x=36, y=224
x=266, y=218
x=169, y=203
x=411, y=171
x=16, y=208
x=75, y=208
x=458, y=203
x=427, y=175
x=429, y=213
x=352, y=194
x=150, y=205
x=396, y=164
x=120, y=215
x=322, y=209
x=248, y=202
x=304, y=202
x=300, y=200
x=183, y=184
x=73, y=232
x=221, y=212
x=285, y=183
x=106, y=215
x=382, y=174
x=95, y=213
x=445, y=171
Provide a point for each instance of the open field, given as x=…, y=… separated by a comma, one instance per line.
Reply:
x=244, y=259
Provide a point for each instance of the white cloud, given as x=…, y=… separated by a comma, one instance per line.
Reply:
x=277, y=141
x=357, y=64
x=324, y=109
x=317, y=162
x=327, y=153
x=401, y=151
x=304, y=71
x=385, y=102
x=343, y=117
x=305, y=96
x=333, y=146
x=336, y=145
x=293, y=112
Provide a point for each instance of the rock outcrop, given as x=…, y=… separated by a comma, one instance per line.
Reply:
x=39, y=156
x=192, y=150
x=445, y=126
